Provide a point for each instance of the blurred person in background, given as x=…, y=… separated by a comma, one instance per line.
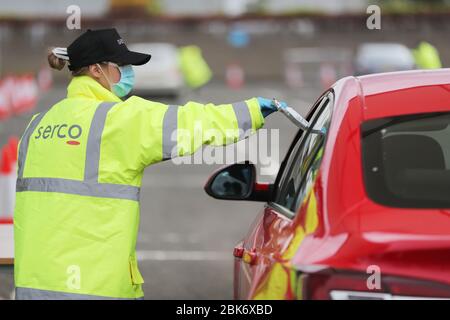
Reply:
x=195, y=69
x=81, y=164
x=426, y=56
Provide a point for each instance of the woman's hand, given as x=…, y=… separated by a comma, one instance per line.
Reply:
x=267, y=106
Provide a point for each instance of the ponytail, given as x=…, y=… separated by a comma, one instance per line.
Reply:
x=54, y=61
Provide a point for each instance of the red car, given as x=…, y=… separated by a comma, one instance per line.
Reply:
x=360, y=212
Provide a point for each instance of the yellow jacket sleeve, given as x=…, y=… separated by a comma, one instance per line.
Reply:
x=187, y=128
x=155, y=132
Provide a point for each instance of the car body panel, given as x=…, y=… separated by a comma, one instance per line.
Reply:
x=338, y=226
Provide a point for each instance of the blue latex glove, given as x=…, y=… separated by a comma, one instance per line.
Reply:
x=267, y=106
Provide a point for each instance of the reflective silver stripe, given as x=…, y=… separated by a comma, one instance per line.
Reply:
x=243, y=117
x=82, y=188
x=88, y=187
x=37, y=294
x=25, y=141
x=94, y=141
x=170, y=125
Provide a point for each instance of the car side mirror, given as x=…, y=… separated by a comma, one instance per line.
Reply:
x=237, y=182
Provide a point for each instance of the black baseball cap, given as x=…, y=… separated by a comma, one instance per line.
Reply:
x=96, y=46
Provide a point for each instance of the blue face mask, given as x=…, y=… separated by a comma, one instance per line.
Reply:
x=126, y=82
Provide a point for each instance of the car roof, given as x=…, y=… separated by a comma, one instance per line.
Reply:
x=406, y=92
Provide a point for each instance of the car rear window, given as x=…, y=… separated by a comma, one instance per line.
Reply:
x=406, y=160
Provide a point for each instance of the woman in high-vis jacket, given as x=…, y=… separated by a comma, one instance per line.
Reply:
x=81, y=164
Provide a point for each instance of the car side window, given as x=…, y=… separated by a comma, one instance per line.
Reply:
x=303, y=162
x=293, y=150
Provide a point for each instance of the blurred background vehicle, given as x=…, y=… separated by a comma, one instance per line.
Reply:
x=383, y=57
x=161, y=77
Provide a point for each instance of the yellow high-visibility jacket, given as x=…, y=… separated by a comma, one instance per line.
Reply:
x=79, y=175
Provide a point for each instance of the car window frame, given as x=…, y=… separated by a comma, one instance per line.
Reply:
x=299, y=135
x=299, y=141
x=299, y=149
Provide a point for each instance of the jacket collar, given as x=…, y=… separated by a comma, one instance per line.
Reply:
x=86, y=87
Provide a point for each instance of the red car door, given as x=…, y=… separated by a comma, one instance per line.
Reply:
x=261, y=252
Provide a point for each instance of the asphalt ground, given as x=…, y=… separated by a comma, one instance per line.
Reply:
x=186, y=238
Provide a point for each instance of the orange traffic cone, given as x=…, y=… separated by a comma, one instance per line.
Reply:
x=13, y=144
x=235, y=76
x=328, y=75
x=7, y=185
x=6, y=161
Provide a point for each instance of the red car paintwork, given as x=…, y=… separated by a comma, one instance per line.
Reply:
x=350, y=231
